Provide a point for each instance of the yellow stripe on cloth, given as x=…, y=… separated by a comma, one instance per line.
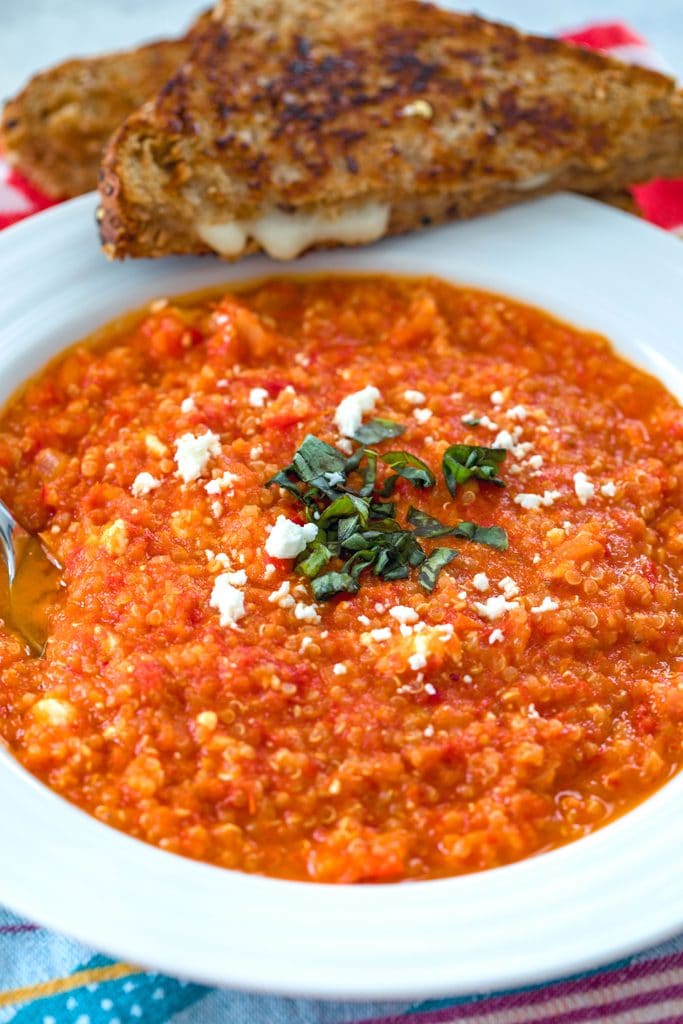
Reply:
x=51, y=988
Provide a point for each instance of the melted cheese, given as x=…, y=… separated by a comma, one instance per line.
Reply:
x=529, y=184
x=286, y=235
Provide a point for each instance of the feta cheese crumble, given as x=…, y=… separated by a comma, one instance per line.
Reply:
x=193, y=453
x=339, y=669
x=497, y=398
x=495, y=607
x=237, y=578
x=143, y=484
x=228, y=600
x=257, y=398
x=504, y=440
x=509, y=587
x=546, y=605
x=306, y=612
x=496, y=636
x=481, y=582
x=422, y=415
x=417, y=661
x=531, y=502
x=350, y=411
x=221, y=483
x=282, y=597
x=403, y=614
x=609, y=489
x=288, y=539
x=414, y=397
x=585, y=490
x=188, y=404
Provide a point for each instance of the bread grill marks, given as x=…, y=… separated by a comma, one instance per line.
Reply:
x=319, y=107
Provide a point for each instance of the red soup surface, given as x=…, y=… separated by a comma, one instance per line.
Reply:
x=284, y=679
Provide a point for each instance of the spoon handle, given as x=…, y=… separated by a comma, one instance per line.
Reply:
x=8, y=525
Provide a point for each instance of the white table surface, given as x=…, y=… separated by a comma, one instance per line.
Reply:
x=36, y=33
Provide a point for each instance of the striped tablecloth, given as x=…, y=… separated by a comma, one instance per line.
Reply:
x=48, y=979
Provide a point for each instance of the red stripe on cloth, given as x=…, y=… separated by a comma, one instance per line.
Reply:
x=35, y=199
x=607, y=1010
x=604, y=36
x=661, y=202
x=536, y=997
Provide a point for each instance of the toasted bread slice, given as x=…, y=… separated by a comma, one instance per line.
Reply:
x=298, y=124
x=55, y=130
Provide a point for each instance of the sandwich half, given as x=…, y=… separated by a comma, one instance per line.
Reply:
x=298, y=124
x=55, y=130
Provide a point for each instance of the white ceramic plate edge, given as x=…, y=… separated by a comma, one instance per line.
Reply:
x=582, y=905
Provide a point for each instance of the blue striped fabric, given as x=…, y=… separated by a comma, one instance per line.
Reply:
x=31, y=956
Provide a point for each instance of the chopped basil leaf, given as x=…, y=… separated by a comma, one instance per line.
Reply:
x=378, y=430
x=282, y=480
x=347, y=528
x=399, y=572
x=370, y=475
x=347, y=505
x=432, y=566
x=333, y=583
x=426, y=525
x=492, y=536
x=410, y=468
x=317, y=558
x=354, y=461
x=360, y=561
x=382, y=509
x=463, y=461
x=316, y=457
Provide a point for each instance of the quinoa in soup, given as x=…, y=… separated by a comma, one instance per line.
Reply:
x=367, y=579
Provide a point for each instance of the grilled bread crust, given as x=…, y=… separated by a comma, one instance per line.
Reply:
x=318, y=107
x=55, y=130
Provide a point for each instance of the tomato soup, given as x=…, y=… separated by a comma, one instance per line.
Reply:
x=367, y=579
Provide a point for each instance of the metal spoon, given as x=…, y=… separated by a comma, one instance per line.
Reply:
x=32, y=582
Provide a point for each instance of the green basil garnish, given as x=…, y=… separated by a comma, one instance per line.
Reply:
x=492, y=536
x=410, y=468
x=461, y=462
x=378, y=430
x=358, y=531
x=432, y=566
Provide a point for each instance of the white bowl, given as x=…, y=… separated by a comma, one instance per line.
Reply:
x=584, y=904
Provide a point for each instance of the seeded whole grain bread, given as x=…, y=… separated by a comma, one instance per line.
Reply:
x=55, y=130
x=298, y=123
